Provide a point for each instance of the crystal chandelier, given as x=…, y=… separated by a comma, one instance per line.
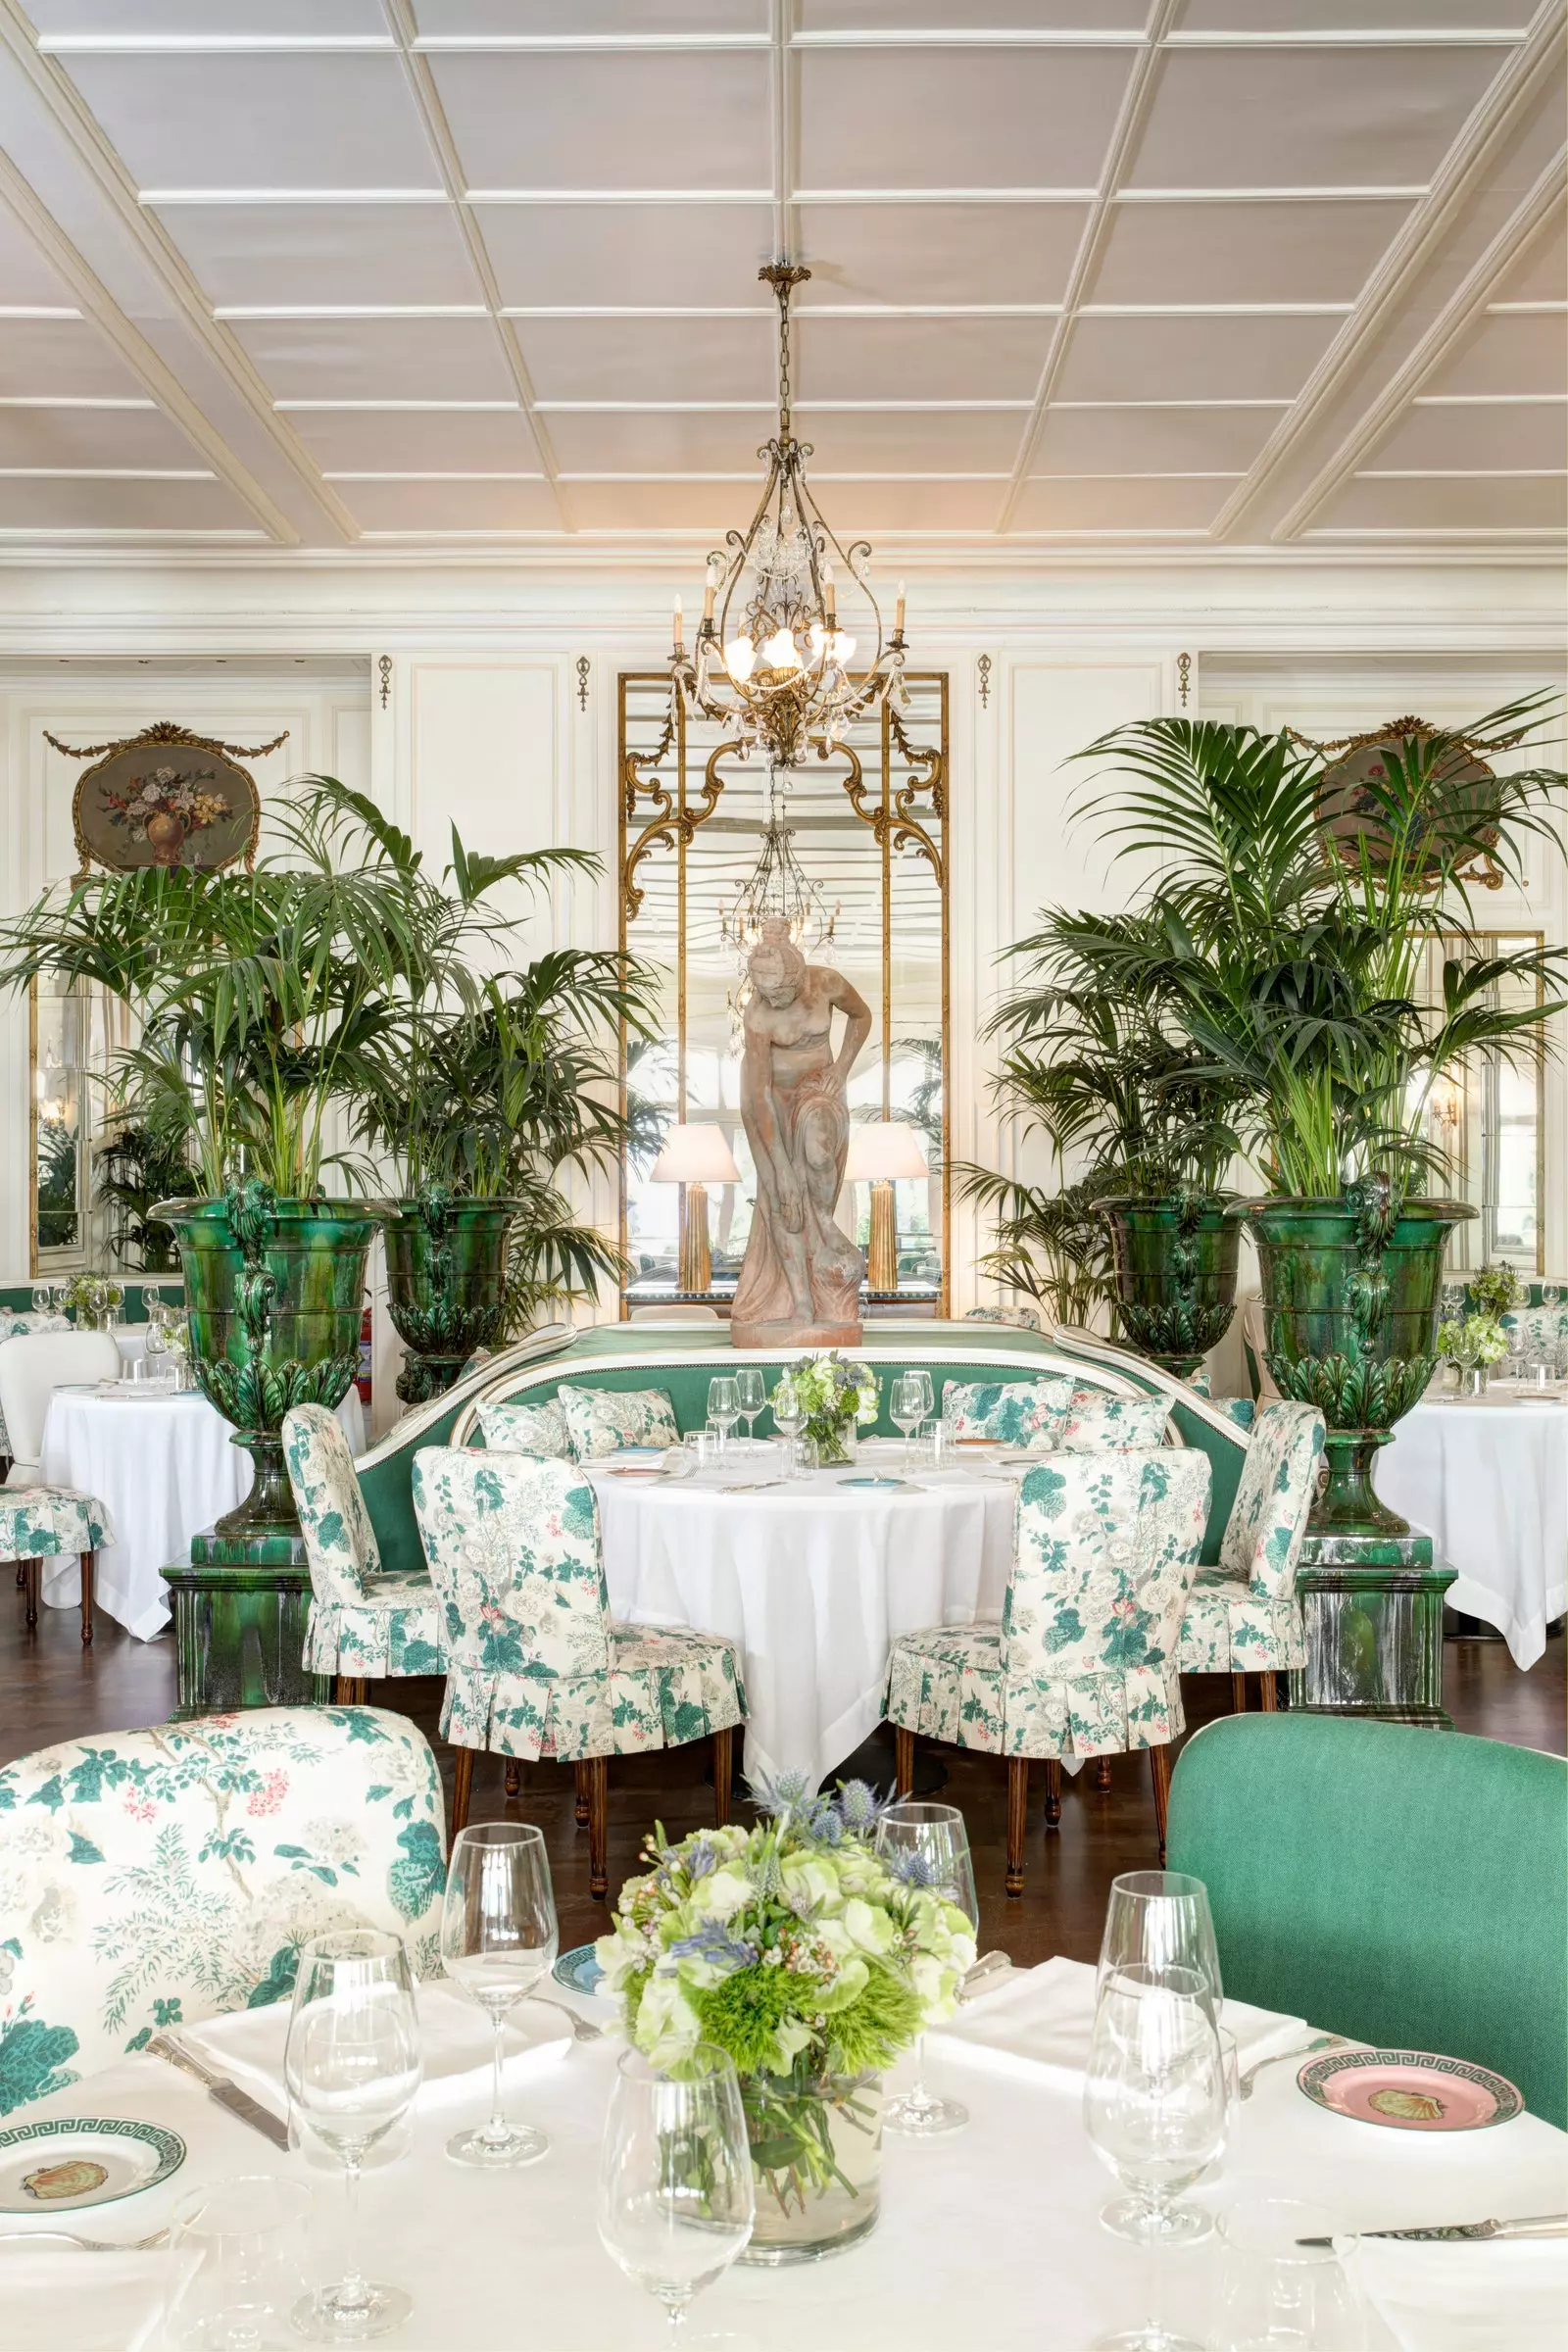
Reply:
x=772, y=664
x=779, y=886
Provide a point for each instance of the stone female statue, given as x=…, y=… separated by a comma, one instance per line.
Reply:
x=800, y=1285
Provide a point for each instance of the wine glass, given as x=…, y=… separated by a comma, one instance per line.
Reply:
x=40, y=1298
x=241, y=2245
x=724, y=1405
x=1158, y=1920
x=498, y=1937
x=1155, y=2101
x=750, y=1395
x=930, y=1845
x=789, y=1415
x=906, y=1406
x=929, y=1402
x=57, y=1296
x=352, y=2069
x=675, y=2196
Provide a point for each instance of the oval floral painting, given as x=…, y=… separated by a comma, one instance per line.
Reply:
x=167, y=798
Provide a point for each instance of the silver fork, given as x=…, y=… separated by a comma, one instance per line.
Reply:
x=1302, y=2049
x=582, y=2029
x=86, y=2245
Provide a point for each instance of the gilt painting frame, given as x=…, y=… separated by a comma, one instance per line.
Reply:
x=166, y=797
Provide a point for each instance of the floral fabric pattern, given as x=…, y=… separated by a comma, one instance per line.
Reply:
x=39, y=1523
x=362, y=1621
x=1239, y=1409
x=157, y=1878
x=1537, y=1332
x=536, y=1666
x=1021, y=1318
x=600, y=1421
x=1098, y=1423
x=1026, y=1413
x=1083, y=1662
x=1244, y=1616
x=527, y=1429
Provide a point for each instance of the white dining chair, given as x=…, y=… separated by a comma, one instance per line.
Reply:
x=39, y=1522
x=31, y=1367
x=674, y=1314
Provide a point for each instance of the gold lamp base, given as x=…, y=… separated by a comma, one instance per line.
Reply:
x=696, y=1260
x=882, y=1258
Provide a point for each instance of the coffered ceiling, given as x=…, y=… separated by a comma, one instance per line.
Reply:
x=1166, y=274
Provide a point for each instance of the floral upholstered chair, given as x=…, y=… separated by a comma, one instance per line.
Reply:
x=1026, y=1413
x=1243, y=1617
x=153, y=1878
x=45, y=1523
x=1021, y=1318
x=537, y=1667
x=1243, y=1410
x=365, y=1620
x=1084, y=1661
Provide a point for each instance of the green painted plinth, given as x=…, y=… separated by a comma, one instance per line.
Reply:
x=1372, y=1610
x=240, y=1611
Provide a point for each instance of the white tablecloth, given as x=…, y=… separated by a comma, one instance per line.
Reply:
x=1489, y=1484
x=989, y=2242
x=163, y=1465
x=812, y=1580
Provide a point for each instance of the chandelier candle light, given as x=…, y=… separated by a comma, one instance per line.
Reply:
x=772, y=668
x=695, y=1156
x=881, y=1152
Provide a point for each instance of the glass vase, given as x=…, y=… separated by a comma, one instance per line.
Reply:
x=837, y=1441
x=816, y=2157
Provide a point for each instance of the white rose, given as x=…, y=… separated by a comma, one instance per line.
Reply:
x=869, y=1928
x=667, y=2029
x=719, y=1895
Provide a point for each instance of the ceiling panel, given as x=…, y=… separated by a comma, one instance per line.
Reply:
x=1192, y=359
x=1509, y=434
x=277, y=19
x=920, y=358
x=694, y=118
x=938, y=252
x=295, y=256
x=441, y=440
x=1355, y=15
x=378, y=359
x=854, y=507
x=973, y=16
x=24, y=276
x=649, y=358
x=963, y=119
x=93, y=438
x=440, y=507
x=879, y=441
x=62, y=359
x=933, y=440
x=634, y=256
x=1307, y=116
x=123, y=506
x=1481, y=504
x=1152, y=440
x=1540, y=274
x=705, y=508
x=509, y=19
x=1519, y=353
x=1239, y=252
x=1126, y=508
x=300, y=120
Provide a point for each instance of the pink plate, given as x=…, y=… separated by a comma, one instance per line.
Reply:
x=1410, y=2090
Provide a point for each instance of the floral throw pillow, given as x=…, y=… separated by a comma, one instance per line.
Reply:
x=1098, y=1423
x=527, y=1429
x=1026, y=1413
x=600, y=1421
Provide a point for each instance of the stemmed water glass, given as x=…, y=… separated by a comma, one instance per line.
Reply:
x=723, y=1406
x=1158, y=1921
x=789, y=1416
x=750, y=1396
x=40, y=1298
x=907, y=1406
x=675, y=2196
x=930, y=1845
x=498, y=1937
x=352, y=2069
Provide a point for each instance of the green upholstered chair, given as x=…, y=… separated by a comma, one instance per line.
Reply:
x=1403, y=1886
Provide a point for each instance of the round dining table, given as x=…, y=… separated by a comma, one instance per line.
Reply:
x=159, y=1459
x=810, y=1578
x=1487, y=1479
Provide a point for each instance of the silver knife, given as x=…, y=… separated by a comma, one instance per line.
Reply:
x=238, y=2103
x=1540, y=2225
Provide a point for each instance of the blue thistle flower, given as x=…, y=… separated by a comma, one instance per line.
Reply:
x=712, y=1944
x=912, y=1869
x=859, y=1806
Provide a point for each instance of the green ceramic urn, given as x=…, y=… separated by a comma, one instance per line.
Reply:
x=1352, y=1289
x=1176, y=1261
x=446, y=1272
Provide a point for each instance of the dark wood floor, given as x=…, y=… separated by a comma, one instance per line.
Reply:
x=51, y=1690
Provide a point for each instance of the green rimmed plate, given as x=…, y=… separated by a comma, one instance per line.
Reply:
x=579, y=1970
x=1410, y=2090
x=66, y=2165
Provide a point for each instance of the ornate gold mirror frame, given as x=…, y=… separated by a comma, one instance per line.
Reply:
x=870, y=826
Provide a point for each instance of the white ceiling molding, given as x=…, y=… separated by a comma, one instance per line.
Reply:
x=1484, y=139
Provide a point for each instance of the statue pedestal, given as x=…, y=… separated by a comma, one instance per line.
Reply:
x=240, y=1610
x=1372, y=1610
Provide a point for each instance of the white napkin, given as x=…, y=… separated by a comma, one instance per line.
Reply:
x=1477, y=2297
x=88, y=2302
x=1044, y=2018
x=455, y=2035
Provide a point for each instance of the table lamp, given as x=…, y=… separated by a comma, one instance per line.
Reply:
x=880, y=1151
x=695, y=1156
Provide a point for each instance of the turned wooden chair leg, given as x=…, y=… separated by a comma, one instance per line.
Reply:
x=513, y=1776
x=34, y=1590
x=723, y=1774
x=89, y=1562
x=1018, y=1820
x=1102, y=1772
x=22, y=1576
x=902, y=1760
x=1052, y=1793
x=1159, y=1767
x=462, y=1789
x=1238, y=1694
x=581, y=1771
x=1268, y=1689
x=595, y=1771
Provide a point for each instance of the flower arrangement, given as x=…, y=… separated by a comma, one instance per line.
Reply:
x=815, y=1961
x=91, y=1297
x=833, y=1395
x=1472, y=1343
x=1494, y=1291
x=164, y=807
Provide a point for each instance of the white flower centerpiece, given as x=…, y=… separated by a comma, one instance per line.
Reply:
x=834, y=1396
x=1472, y=1344
x=815, y=1961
